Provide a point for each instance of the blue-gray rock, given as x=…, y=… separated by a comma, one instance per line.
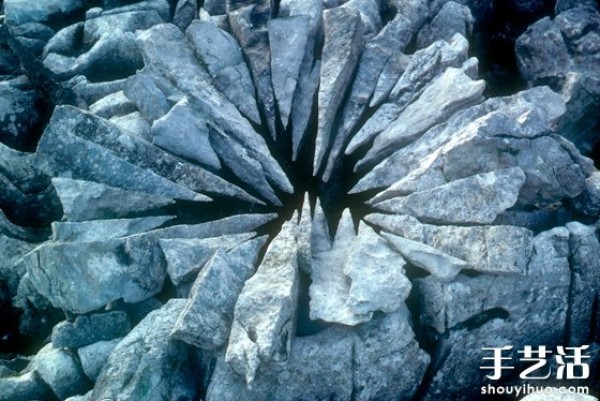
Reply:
x=88, y=329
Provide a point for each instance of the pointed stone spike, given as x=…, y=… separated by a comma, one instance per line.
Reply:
x=248, y=22
x=341, y=52
x=304, y=235
x=85, y=200
x=206, y=320
x=288, y=37
x=186, y=256
x=265, y=313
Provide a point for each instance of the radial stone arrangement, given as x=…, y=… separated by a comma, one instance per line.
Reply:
x=296, y=199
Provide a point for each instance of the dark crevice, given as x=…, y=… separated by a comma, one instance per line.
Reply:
x=304, y=325
x=482, y=318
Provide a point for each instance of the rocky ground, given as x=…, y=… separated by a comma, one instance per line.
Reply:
x=294, y=200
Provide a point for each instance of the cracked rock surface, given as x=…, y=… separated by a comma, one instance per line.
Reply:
x=294, y=200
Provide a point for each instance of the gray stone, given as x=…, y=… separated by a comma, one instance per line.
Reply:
x=376, y=54
x=376, y=273
x=143, y=91
x=19, y=113
x=28, y=386
x=588, y=202
x=438, y=101
x=265, y=312
x=540, y=311
x=185, y=12
x=242, y=164
x=206, y=320
x=249, y=24
x=370, y=12
x=91, y=92
x=61, y=154
x=131, y=153
x=147, y=364
x=330, y=288
x=93, y=357
x=341, y=52
x=85, y=200
x=224, y=60
x=115, y=104
x=478, y=199
x=585, y=267
x=491, y=249
x=162, y=7
x=424, y=66
x=392, y=71
x=308, y=80
x=17, y=167
x=88, y=329
x=546, y=104
x=186, y=257
x=19, y=12
x=287, y=38
x=84, y=397
x=369, y=363
x=134, y=123
x=64, y=41
x=131, y=21
x=215, y=7
x=132, y=268
x=304, y=236
x=439, y=264
x=452, y=18
x=182, y=133
x=105, y=229
x=165, y=47
x=60, y=370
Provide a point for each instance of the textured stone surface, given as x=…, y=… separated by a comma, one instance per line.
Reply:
x=85, y=330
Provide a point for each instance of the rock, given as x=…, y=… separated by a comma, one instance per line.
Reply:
x=308, y=79
x=19, y=115
x=64, y=41
x=376, y=274
x=424, y=66
x=105, y=229
x=588, y=202
x=304, y=236
x=243, y=165
x=162, y=7
x=442, y=266
x=265, y=312
x=329, y=289
x=186, y=257
x=28, y=386
x=215, y=7
x=91, y=92
x=538, y=107
x=130, y=152
x=115, y=104
x=85, y=200
x=249, y=24
x=185, y=12
x=17, y=167
x=165, y=48
x=93, y=357
x=439, y=99
x=341, y=52
x=206, y=320
x=585, y=267
x=147, y=364
x=543, y=315
x=287, y=39
x=453, y=203
x=86, y=330
x=452, y=18
x=224, y=60
x=183, y=134
x=351, y=355
x=491, y=249
x=60, y=370
x=19, y=12
x=131, y=21
x=143, y=90
x=392, y=71
x=377, y=52
x=133, y=123
x=133, y=268
x=302, y=373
